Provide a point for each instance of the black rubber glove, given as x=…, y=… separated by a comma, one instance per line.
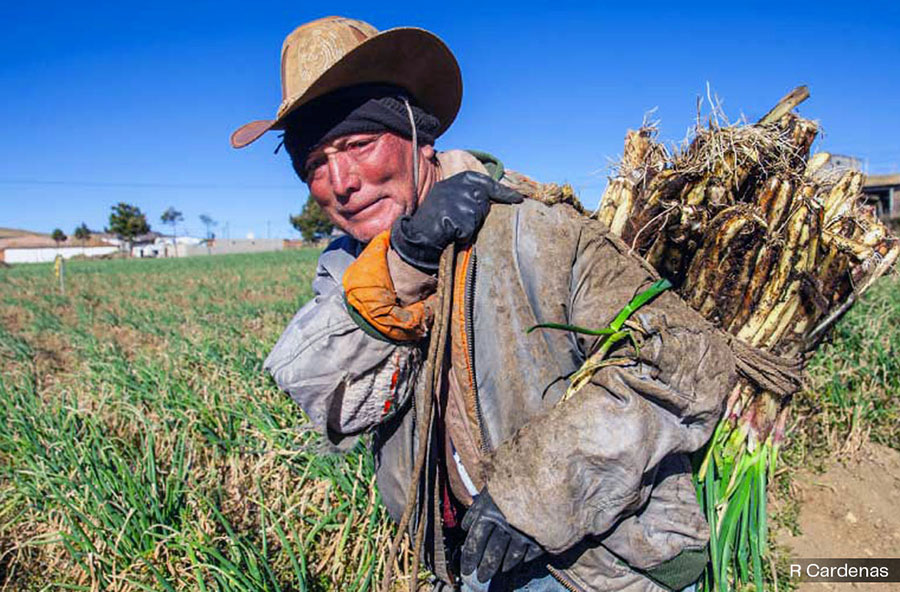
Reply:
x=493, y=545
x=453, y=210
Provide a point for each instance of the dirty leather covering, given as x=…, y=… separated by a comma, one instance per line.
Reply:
x=601, y=480
x=608, y=465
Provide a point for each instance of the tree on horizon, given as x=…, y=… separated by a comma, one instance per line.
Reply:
x=127, y=221
x=172, y=217
x=312, y=222
x=58, y=236
x=83, y=234
x=208, y=221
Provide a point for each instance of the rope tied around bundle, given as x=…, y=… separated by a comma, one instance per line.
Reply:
x=780, y=375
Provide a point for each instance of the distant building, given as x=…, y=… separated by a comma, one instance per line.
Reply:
x=139, y=241
x=294, y=244
x=883, y=191
x=25, y=247
x=40, y=248
x=164, y=246
x=228, y=246
x=844, y=162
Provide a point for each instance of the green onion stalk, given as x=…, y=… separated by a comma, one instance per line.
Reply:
x=731, y=475
x=609, y=336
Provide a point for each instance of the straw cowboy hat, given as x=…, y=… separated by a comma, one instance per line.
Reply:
x=335, y=52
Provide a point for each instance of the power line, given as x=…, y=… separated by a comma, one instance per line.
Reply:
x=117, y=185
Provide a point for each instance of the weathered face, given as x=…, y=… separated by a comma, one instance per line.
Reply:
x=364, y=182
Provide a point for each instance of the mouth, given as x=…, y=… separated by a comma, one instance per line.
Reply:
x=350, y=213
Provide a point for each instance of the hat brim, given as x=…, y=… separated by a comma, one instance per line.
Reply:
x=411, y=58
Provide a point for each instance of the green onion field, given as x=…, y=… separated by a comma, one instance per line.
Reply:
x=143, y=448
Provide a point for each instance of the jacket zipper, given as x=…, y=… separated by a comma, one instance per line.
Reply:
x=486, y=446
x=470, y=343
x=561, y=579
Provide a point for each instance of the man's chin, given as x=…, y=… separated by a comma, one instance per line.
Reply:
x=366, y=232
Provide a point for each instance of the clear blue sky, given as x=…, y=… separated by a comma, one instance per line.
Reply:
x=135, y=101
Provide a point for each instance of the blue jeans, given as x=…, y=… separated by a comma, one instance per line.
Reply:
x=534, y=578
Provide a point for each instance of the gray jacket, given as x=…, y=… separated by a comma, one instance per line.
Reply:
x=602, y=480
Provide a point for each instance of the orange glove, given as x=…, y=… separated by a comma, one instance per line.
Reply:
x=370, y=292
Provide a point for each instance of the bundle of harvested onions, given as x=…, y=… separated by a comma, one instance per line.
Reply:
x=772, y=246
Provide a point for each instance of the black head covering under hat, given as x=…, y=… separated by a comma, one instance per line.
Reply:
x=366, y=108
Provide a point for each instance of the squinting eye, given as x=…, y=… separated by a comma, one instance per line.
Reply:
x=313, y=165
x=359, y=144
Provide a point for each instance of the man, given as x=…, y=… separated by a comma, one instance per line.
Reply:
x=506, y=485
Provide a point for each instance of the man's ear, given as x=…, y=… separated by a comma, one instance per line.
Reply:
x=427, y=152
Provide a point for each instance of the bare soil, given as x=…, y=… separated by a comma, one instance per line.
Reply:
x=851, y=510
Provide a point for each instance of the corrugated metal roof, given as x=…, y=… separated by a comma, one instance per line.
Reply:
x=882, y=180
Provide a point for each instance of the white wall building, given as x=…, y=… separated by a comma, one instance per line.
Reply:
x=33, y=248
x=48, y=254
x=221, y=246
x=38, y=248
x=164, y=246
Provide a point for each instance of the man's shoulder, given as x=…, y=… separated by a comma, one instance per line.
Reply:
x=551, y=214
x=532, y=235
x=537, y=217
x=546, y=193
x=458, y=161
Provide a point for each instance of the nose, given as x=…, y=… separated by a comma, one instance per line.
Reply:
x=344, y=178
